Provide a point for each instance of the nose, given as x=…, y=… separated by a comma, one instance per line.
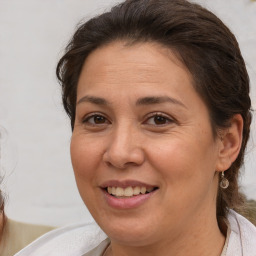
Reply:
x=124, y=149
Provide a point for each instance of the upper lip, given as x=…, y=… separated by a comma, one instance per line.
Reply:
x=125, y=184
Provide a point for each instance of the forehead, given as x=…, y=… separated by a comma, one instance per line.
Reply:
x=139, y=63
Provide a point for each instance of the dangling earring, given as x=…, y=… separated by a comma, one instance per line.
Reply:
x=224, y=183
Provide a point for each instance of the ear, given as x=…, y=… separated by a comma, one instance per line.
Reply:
x=230, y=143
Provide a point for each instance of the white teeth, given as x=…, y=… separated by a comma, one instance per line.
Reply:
x=109, y=190
x=119, y=191
x=143, y=190
x=129, y=191
x=136, y=191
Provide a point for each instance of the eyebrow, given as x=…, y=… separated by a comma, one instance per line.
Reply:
x=150, y=100
x=93, y=99
x=158, y=100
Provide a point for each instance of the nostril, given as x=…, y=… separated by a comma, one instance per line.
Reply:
x=123, y=156
x=116, y=165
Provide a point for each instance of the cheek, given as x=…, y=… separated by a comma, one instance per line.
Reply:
x=85, y=157
x=187, y=175
x=183, y=161
x=172, y=155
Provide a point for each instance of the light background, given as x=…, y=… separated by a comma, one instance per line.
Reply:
x=35, y=162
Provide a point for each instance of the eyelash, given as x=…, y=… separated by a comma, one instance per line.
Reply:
x=164, y=117
x=161, y=115
x=88, y=117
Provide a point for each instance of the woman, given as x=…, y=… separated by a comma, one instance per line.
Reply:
x=158, y=96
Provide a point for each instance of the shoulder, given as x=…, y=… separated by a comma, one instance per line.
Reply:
x=242, y=240
x=27, y=229
x=17, y=235
x=74, y=240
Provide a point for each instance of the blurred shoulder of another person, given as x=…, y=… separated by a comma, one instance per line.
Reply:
x=16, y=235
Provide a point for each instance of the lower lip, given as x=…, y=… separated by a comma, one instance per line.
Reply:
x=127, y=203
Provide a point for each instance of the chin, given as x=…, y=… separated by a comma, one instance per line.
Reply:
x=130, y=231
x=131, y=237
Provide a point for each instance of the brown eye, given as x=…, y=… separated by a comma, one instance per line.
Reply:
x=160, y=120
x=95, y=120
x=99, y=119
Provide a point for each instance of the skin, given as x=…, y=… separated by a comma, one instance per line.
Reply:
x=176, y=152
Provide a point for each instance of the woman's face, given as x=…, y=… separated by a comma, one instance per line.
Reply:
x=142, y=148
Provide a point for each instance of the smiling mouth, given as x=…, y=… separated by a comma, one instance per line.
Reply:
x=120, y=192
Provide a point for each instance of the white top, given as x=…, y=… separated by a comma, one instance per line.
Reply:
x=89, y=240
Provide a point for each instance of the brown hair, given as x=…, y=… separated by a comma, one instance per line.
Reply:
x=2, y=216
x=201, y=41
x=1, y=202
